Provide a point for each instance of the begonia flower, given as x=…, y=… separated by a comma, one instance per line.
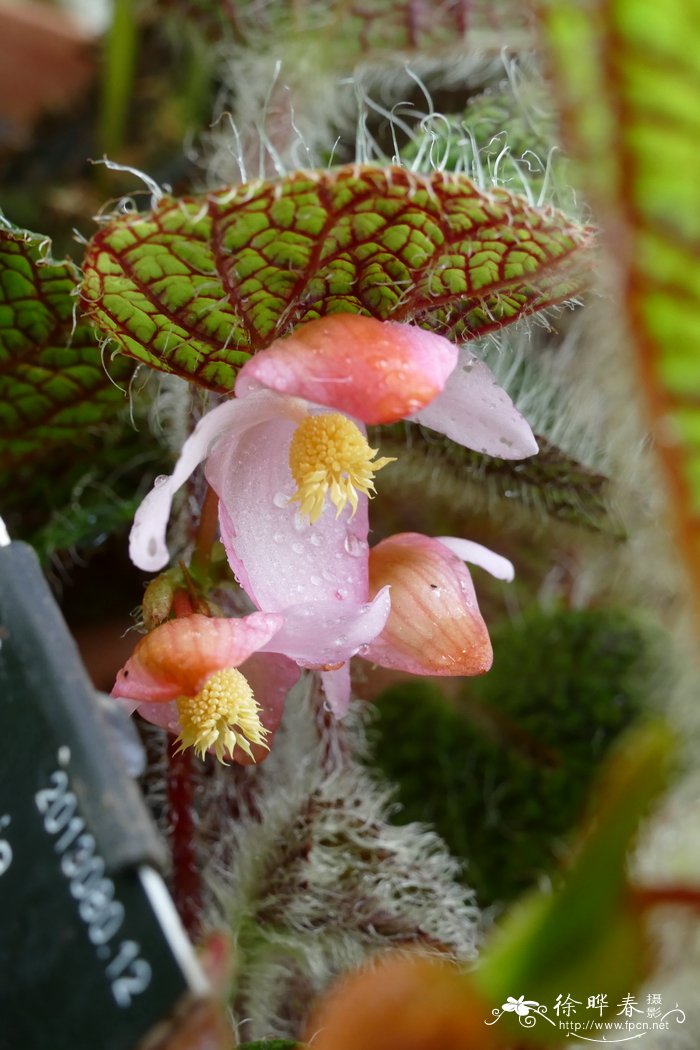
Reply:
x=289, y=460
x=434, y=627
x=203, y=678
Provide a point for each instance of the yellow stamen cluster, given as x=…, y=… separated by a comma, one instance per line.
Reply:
x=329, y=453
x=223, y=714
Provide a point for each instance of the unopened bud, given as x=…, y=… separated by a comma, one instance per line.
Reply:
x=158, y=601
x=435, y=627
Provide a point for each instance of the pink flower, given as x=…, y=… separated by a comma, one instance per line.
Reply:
x=289, y=461
x=202, y=678
x=434, y=627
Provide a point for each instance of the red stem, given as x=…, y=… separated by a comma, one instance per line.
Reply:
x=207, y=530
x=186, y=883
x=646, y=897
x=182, y=831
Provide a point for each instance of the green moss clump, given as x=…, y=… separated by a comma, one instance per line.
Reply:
x=502, y=770
x=270, y=1044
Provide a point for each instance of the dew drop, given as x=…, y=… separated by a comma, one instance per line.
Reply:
x=300, y=522
x=280, y=499
x=315, y=580
x=354, y=546
x=278, y=537
x=160, y=480
x=315, y=539
x=341, y=593
x=298, y=548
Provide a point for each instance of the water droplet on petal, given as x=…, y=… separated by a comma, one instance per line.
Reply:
x=315, y=539
x=300, y=522
x=160, y=480
x=354, y=546
x=278, y=537
x=280, y=499
x=315, y=580
x=298, y=548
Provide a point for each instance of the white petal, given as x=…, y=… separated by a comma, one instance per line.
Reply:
x=476, y=412
x=476, y=554
x=147, y=546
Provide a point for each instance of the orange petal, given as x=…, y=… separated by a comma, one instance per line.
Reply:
x=402, y=1003
x=177, y=658
x=376, y=371
x=435, y=627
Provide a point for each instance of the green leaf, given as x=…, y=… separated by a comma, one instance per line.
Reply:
x=551, y=485
x=509, y=133
x=587, y=934
x=519, y=746
x=339, y=33
x=270, y=1044
x=200, y=283
x=54, y=388
x=626, y=77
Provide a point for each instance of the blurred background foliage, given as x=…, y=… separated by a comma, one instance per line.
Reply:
x=500, y=766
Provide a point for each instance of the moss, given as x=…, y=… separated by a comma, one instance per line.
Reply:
x=502, y=771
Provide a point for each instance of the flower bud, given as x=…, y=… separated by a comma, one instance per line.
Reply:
x=157, y=601
x=434, y=627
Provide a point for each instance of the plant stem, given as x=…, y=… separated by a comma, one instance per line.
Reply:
x=117, y=76
x=186, y=883
x=206, y=531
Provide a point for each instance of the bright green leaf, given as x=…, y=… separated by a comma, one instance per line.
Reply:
x=627, y=79
x=587, y=935
x=54, y=387
x=198, y=284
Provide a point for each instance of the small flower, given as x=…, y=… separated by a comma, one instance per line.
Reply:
x=520, y=1006
x=434, y=627
x=290, y=463
x=185, y=676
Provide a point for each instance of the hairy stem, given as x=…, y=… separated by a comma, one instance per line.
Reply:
x=186, y=881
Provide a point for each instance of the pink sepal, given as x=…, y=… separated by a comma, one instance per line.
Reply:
x=337, y=687
x=177, y=658
x=435, y=627
x=375, y=371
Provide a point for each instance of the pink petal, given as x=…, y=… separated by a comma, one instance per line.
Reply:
x=435, y=626
x=376, y=371
x=476, y=412
x=177, y=658
x=147, y=546
x=164, y=715
x=278, y=557
x=327, y=633
x=270, y=677
x=337, y=687
x=475, y=554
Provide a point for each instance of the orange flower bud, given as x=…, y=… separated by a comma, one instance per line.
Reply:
x=435, y=627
